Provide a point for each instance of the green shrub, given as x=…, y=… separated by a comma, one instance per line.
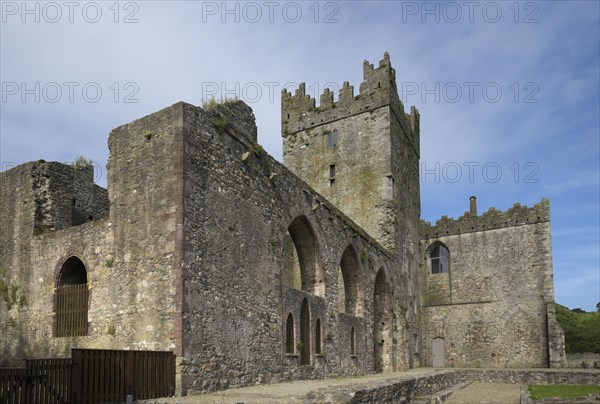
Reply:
x=219, y=123
x=81, y=162
x=582, y=330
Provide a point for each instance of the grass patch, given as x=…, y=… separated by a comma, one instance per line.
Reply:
x=39, y=229
x=570, y=390
x=210, y=104
x=219, y=123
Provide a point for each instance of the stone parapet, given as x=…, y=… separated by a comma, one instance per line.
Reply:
x=491, y=219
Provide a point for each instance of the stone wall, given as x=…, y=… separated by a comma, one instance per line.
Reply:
x=90, y=201
x=404, y=389
x=583, y=361
x=36, y=219
x=191, y=254
x=429, y=386
x=240, y=204
x=533, y=376
x=128, y=254
x=491, y=307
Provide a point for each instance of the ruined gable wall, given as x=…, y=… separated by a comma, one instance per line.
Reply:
x=36, y=219
x=129, y=255
x=17, y=212
x=90, y=201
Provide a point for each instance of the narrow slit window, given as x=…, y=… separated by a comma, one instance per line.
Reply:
x=289, y=335
x=332, y=172
x=318, y=337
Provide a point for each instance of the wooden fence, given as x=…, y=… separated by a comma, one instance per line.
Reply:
x=41, y=381
x=90, y=376
x=12, y=385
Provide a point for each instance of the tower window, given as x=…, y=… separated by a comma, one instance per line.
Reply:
x=332, y=138
x=332, y=175
x=388, y=188
x=439, y=257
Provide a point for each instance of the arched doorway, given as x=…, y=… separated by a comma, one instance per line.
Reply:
x=72, y=299
x=382, y=323
x=304, y=333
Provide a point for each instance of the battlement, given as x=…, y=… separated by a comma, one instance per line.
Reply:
x=470, y=222
x=299, y=111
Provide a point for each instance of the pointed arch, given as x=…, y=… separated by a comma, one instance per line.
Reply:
x=382, y=322
x=350, y=283
x=72, y=272
x=301, y=250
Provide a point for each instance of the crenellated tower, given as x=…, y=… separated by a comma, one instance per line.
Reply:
x=360, y=152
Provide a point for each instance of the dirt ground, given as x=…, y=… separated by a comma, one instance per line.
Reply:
x=475, y=393
x=492, y=393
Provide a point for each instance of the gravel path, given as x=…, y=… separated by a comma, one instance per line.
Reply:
x=492, y=393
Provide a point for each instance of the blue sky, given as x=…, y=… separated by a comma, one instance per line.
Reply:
x=508, y=88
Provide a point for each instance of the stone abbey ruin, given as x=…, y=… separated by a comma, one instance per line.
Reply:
x=252, y=271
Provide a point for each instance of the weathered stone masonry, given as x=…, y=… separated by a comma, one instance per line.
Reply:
x=495, y=304
x=239, y=335
x=253, y=272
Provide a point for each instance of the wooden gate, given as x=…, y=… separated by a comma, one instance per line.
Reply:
x=109, y=376
x=90, y=376
x=72, y=310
